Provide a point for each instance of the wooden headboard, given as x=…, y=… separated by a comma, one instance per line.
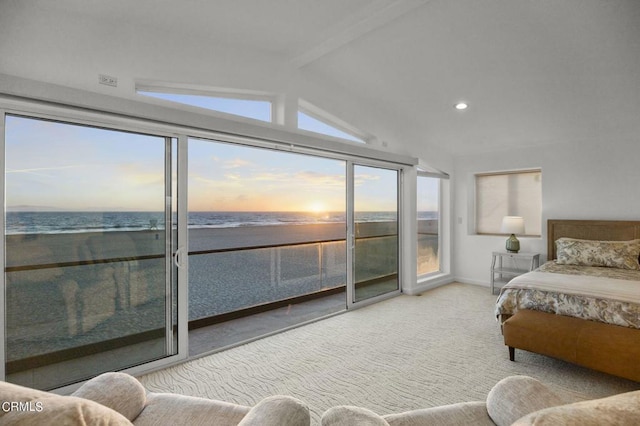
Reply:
x=603, y=230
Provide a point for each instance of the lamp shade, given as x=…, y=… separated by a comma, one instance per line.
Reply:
x=512, y=225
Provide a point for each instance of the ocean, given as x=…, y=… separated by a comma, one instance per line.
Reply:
x=32, y=222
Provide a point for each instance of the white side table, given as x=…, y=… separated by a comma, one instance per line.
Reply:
x=505, y=265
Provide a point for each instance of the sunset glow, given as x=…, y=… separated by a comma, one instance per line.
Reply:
x=317, y=207
x=57, y=166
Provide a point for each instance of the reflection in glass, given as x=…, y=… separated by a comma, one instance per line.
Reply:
x=85, y=243
x=266, y=230
x=375, y=266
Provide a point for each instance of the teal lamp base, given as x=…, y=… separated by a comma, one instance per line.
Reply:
x=513, y=245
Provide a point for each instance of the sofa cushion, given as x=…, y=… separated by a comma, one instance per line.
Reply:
x=516, y=396
x=118, y=391
x=278, y=410
x=25, y=406
x=348, y=415
x=619, y=410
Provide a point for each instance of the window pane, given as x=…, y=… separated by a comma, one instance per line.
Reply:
x=376, y=253
x=250, y=108
x=85, y=243
x=428, y=195
x=265, y=228
x=509, y=194
x=306, y=122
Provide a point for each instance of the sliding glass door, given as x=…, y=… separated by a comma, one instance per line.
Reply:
x=374, y=232
x=96, y=260
x=90, y=283
x=266, y=241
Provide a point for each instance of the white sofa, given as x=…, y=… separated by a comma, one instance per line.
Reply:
x=120, y=399
x=516, y=400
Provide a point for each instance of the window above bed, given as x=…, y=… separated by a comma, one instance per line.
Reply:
x=508, y=193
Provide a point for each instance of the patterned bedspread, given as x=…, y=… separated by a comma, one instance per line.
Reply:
x=608, y=295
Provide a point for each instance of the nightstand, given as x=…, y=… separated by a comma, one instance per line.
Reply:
x=505, y=265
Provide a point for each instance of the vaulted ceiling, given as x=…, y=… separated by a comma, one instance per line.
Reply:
x=533, y=72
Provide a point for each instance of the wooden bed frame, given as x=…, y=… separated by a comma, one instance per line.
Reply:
x=604, y=347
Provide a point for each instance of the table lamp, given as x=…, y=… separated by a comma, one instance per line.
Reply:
x=512, y=225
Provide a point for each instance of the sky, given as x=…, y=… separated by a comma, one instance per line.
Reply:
x=67, y=167
x=238, y=178
x=256, y=109
x=427, y=197
x=59, y=166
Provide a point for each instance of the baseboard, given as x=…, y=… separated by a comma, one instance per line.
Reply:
x=472, y=282
x=429, y=284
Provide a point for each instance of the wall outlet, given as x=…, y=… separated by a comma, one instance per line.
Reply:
x=108, y=80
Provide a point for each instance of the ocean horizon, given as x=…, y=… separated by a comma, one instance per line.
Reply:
x=55, y=222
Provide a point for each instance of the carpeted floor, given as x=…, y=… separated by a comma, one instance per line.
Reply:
x=405, y=353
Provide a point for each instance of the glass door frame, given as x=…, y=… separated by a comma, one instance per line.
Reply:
x=37, y=110
x=351, y=241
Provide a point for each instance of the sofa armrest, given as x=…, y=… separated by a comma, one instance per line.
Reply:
x=37, y=408
x=463, y=413
x=347, y=415
x=119, y=391
x=516, y=396
x=176, y=409
x=621, y=410
x=278, y=410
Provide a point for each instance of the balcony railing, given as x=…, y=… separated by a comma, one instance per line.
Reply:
x=95, y=305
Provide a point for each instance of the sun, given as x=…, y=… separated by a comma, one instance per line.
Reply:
x=317, y=207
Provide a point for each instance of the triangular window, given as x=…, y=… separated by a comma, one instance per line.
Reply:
x=306, y=122
x=315, y=119
x=249, y=108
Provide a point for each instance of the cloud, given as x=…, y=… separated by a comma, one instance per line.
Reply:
x=317, y=178
x=236, y=163
x=37, y=170
x=272, y=176
x=361, y=179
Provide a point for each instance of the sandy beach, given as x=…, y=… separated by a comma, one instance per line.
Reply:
x=26, y=249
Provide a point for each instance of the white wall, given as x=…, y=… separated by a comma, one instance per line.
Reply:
x=71, y=50
x=580, y=180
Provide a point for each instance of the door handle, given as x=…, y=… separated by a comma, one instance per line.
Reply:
x=177, y=257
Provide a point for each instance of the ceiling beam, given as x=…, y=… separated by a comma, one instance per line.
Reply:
x=375, y=15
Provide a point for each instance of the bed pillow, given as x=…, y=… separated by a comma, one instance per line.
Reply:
x=611, y=254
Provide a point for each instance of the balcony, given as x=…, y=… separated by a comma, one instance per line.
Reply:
x=112, y=298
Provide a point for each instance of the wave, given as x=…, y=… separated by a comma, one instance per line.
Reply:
x=48, y=222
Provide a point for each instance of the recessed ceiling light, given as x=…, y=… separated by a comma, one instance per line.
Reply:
x=461, y=106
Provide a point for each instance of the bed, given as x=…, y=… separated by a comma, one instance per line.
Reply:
x=583, y=304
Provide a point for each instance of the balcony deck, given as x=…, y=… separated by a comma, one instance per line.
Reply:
x=225, y=334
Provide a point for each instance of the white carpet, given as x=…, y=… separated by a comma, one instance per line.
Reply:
x=405, y=353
